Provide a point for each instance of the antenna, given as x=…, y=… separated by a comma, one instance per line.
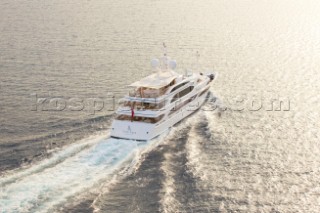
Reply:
x=165, y=58
x=164, y=49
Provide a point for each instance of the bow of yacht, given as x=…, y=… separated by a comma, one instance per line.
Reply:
x=159, y=101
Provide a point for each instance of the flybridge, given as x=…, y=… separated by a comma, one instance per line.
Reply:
x=163, y=76
x=156, y=80
x=148, y=95
x=157, y=86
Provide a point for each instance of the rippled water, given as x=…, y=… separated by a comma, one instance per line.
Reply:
x=253, y=157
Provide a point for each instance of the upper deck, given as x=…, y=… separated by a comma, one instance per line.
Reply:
x=154, y=85
x=156, y=96
x=156, y=80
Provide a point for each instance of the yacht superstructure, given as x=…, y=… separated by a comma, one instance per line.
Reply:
x=159, y=101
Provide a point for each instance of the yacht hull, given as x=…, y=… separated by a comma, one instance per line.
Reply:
x=146, y=131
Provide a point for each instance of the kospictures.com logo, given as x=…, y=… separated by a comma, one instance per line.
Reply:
x=93, y=105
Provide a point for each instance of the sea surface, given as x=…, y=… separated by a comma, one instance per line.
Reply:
x=253, y=147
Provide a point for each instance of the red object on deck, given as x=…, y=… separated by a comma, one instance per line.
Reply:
x=132, y=113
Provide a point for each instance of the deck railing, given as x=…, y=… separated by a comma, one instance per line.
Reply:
x=147, y=93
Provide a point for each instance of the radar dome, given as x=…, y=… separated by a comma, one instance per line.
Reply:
x=172, y=64
x=155, y=63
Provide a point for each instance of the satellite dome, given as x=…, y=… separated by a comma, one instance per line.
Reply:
x=155, y=63
x=172, y=64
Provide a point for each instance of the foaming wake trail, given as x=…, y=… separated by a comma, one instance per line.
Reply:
x=172, y=160
x=57, y=158
x=71, y=171
x=182, y=166
x=194, y=153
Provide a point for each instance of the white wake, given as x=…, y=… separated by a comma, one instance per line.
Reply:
x=76, y=168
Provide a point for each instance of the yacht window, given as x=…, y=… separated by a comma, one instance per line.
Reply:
x=178, y=86
x=143, y=105
x=139, y=119
x=182, y=93
x=180, y=105
x=185, y=91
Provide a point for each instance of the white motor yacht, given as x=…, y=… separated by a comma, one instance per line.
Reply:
x=159, y=101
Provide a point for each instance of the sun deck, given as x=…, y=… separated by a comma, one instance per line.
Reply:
x=154, y=85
